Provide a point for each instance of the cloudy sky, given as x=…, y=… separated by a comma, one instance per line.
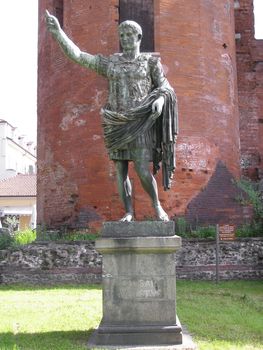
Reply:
x=18, y=68
x=18, y=64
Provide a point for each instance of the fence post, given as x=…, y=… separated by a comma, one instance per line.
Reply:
x=217, y=253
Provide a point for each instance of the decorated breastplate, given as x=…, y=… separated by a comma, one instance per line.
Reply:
x=129, y=81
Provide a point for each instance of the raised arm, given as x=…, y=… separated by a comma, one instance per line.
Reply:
x=69, y=48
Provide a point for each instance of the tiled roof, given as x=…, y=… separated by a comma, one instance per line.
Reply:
x=19, y=185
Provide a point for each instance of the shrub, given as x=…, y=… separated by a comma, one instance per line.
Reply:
x=204, y=232
x=184, y=230
x=182, y=227
x=78, y=236
x=16, y=238
x=48, y=235
x=253, y=196
x=253, y=229
x=24, y=237
x=44, y=234
x=6, y=240
x=10, y=222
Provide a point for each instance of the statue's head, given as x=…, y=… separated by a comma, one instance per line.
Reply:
x=130, y=32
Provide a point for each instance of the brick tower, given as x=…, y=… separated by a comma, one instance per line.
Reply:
x=196, y=40
x=250, y=90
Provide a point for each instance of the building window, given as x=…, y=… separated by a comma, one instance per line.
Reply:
x=258, y=11
x=140, y=11
x=59, y=9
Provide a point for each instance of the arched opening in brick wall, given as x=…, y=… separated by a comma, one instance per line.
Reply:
x=258, y=19
x=140, y=11
x=59, y=9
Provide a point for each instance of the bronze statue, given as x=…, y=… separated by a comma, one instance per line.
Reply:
x=140, y=119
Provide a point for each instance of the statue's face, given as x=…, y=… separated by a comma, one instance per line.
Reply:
x=129, y=39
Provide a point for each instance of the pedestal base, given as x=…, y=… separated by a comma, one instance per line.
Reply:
x=139, y=285
x=137, y=336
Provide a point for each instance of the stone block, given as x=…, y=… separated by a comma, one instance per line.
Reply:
x=137, y=229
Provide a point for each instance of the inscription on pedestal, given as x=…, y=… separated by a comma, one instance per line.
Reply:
x=139, y=289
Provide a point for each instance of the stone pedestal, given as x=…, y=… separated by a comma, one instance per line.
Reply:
x=139, y=285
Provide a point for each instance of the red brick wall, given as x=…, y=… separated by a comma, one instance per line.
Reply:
x=76, y=181
x=74, y=176
x=250, y=89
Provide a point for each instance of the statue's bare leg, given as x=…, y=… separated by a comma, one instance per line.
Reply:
x=125, y=188
x=150, y=186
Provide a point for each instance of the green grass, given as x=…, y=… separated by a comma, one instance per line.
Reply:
x=55, y=318
x=228, y=316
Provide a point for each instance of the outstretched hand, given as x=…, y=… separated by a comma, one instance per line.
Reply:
x=157, y=106
x=52, y=23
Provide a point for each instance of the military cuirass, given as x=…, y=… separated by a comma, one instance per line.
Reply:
x=129, y=82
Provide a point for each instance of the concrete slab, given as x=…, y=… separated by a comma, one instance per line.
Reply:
x=187, y=344
x=137, y=229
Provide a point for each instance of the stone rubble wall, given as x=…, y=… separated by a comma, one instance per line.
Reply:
x=239, y=259
x=79, y=262
x=50, y=263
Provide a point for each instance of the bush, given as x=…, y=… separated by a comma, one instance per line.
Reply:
x=6, y=240
x=16, y=238
x=24, y=237
x=253, y=229
x=78, y=236
x=44, y=234
x=28, y=236
x=182, y=227
x=204, y=232
x=184, y=230
x=253, y=196
x=10, y=222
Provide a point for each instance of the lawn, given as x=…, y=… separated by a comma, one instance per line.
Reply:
x=228, y=316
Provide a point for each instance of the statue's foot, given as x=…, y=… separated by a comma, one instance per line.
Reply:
x=128, y=217
x=160, y=213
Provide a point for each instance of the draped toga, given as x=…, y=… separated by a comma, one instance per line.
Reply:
x=131, y=130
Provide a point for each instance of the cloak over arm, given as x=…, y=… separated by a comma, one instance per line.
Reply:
x=166, y=127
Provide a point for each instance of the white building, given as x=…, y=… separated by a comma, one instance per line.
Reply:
x=17, y=155
x=18, y=198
